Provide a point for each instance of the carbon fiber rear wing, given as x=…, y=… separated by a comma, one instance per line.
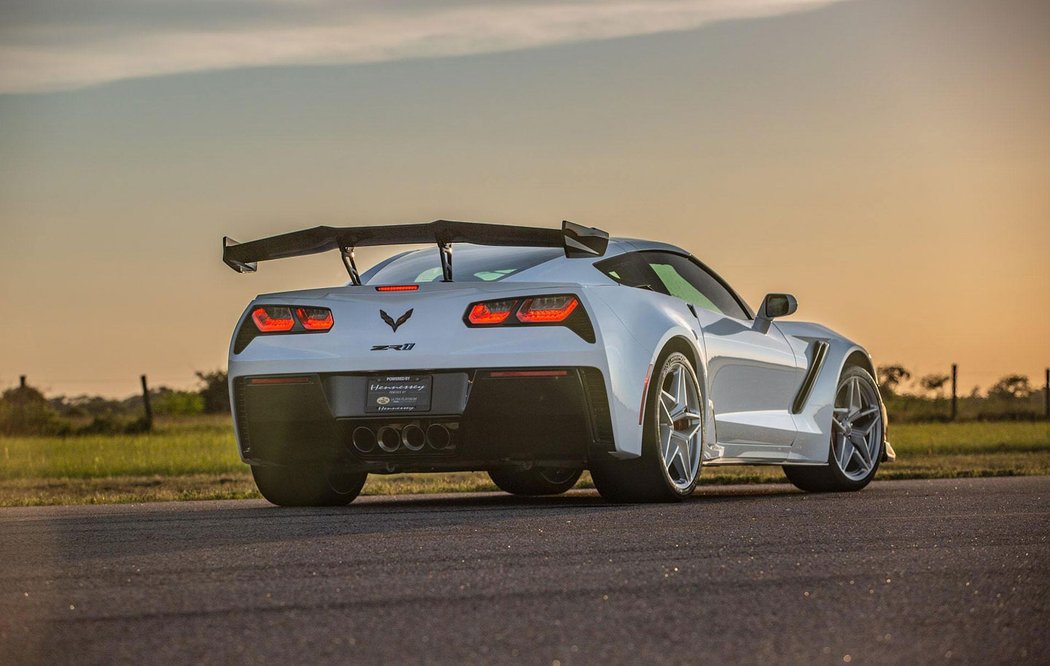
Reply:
x=577, y=241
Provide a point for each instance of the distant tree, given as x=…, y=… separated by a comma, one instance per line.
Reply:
x=24, y=395
x=25, y=411
x=891, y=377
x=934, y=383
x=1011, y=387
x=216, y=392
x=176, y=403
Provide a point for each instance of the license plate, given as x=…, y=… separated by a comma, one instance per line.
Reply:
x=398, y=394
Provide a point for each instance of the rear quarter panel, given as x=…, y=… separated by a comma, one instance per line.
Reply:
x=637, y=325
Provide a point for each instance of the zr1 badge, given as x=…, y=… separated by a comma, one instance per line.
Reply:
x=405, y=347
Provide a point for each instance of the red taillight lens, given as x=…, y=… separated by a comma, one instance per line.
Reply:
x=315, y=319
x=398, y=287
x=491, y=312
x=547, y=309
x=273, y=318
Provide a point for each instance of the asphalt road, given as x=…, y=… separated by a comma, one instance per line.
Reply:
x=903, y=572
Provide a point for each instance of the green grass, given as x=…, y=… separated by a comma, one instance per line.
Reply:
x=197, y=446
x=196, y=458
x=972, y=437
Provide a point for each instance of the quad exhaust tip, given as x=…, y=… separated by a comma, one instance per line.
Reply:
x=413, y=437
x=438, y=436
x=364, y=439
x=389, y=439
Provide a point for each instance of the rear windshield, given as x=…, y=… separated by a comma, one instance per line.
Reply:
x=470, y=263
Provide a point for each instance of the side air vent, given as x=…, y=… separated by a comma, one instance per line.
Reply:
x=598, y=400
x=816, y=362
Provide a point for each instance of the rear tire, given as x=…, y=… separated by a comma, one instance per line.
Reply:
x=672, y=438
x=535, y=481
x=858, y=422
x=308, y=485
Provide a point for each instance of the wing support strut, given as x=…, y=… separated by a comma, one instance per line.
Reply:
x=351, y=265
x=446, y=261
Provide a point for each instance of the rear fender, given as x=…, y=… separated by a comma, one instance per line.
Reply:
x=636, y=327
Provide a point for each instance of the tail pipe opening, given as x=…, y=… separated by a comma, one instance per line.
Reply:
x=364, y=439
x=413, y=437
x=389, y=439
x=438, y=436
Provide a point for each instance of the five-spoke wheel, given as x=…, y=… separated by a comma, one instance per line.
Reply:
x=857, y=425
x=680, y=422
x=672, y=438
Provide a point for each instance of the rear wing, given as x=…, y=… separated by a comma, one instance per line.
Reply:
x=577, y=241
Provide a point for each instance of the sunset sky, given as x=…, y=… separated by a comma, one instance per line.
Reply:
x=887, y=161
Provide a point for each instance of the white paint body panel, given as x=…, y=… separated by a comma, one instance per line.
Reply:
x=749, y=379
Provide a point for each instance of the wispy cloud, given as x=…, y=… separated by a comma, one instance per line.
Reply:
x=58, y=44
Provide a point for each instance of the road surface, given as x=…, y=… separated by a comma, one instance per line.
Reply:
x=903, y=572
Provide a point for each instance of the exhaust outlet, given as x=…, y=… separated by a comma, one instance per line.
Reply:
x=364, y=439
x=389, y=439
x=413, y=437
x=438, y=436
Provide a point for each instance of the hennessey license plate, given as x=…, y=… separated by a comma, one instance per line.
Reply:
x=398, y=393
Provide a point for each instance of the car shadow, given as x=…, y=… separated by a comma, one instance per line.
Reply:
x=131, y=531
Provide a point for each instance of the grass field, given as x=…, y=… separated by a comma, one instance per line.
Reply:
x=196, y=458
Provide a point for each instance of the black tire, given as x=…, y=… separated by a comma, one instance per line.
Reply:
x=644, y=479
x=307, y=486
x=535, y=481
x=829, y=478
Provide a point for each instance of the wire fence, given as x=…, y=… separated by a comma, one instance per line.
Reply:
x=928, y=382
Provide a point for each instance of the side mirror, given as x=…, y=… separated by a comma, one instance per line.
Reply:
x=773, y=306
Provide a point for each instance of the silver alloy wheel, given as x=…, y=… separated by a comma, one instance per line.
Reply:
x=857, y=425
x=680, y=421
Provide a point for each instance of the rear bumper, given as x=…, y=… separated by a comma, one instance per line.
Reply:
x=491, y=416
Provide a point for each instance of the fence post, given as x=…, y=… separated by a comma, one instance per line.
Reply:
x=146, y=404
x=21, y=381
x=955, y=391
x=1046, y=393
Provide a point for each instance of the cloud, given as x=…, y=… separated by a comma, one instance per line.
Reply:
x=59, y=44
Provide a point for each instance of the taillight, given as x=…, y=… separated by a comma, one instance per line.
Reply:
x=491, y=312
x=398, y=287
x=273, y=318
x=315, y=319
x=546, y=309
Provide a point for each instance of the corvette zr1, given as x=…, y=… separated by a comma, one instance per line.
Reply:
x=537, y=354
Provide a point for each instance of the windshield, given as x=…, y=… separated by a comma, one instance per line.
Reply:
x=470, y=263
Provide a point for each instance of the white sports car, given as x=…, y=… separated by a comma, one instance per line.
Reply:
x=537, y=354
